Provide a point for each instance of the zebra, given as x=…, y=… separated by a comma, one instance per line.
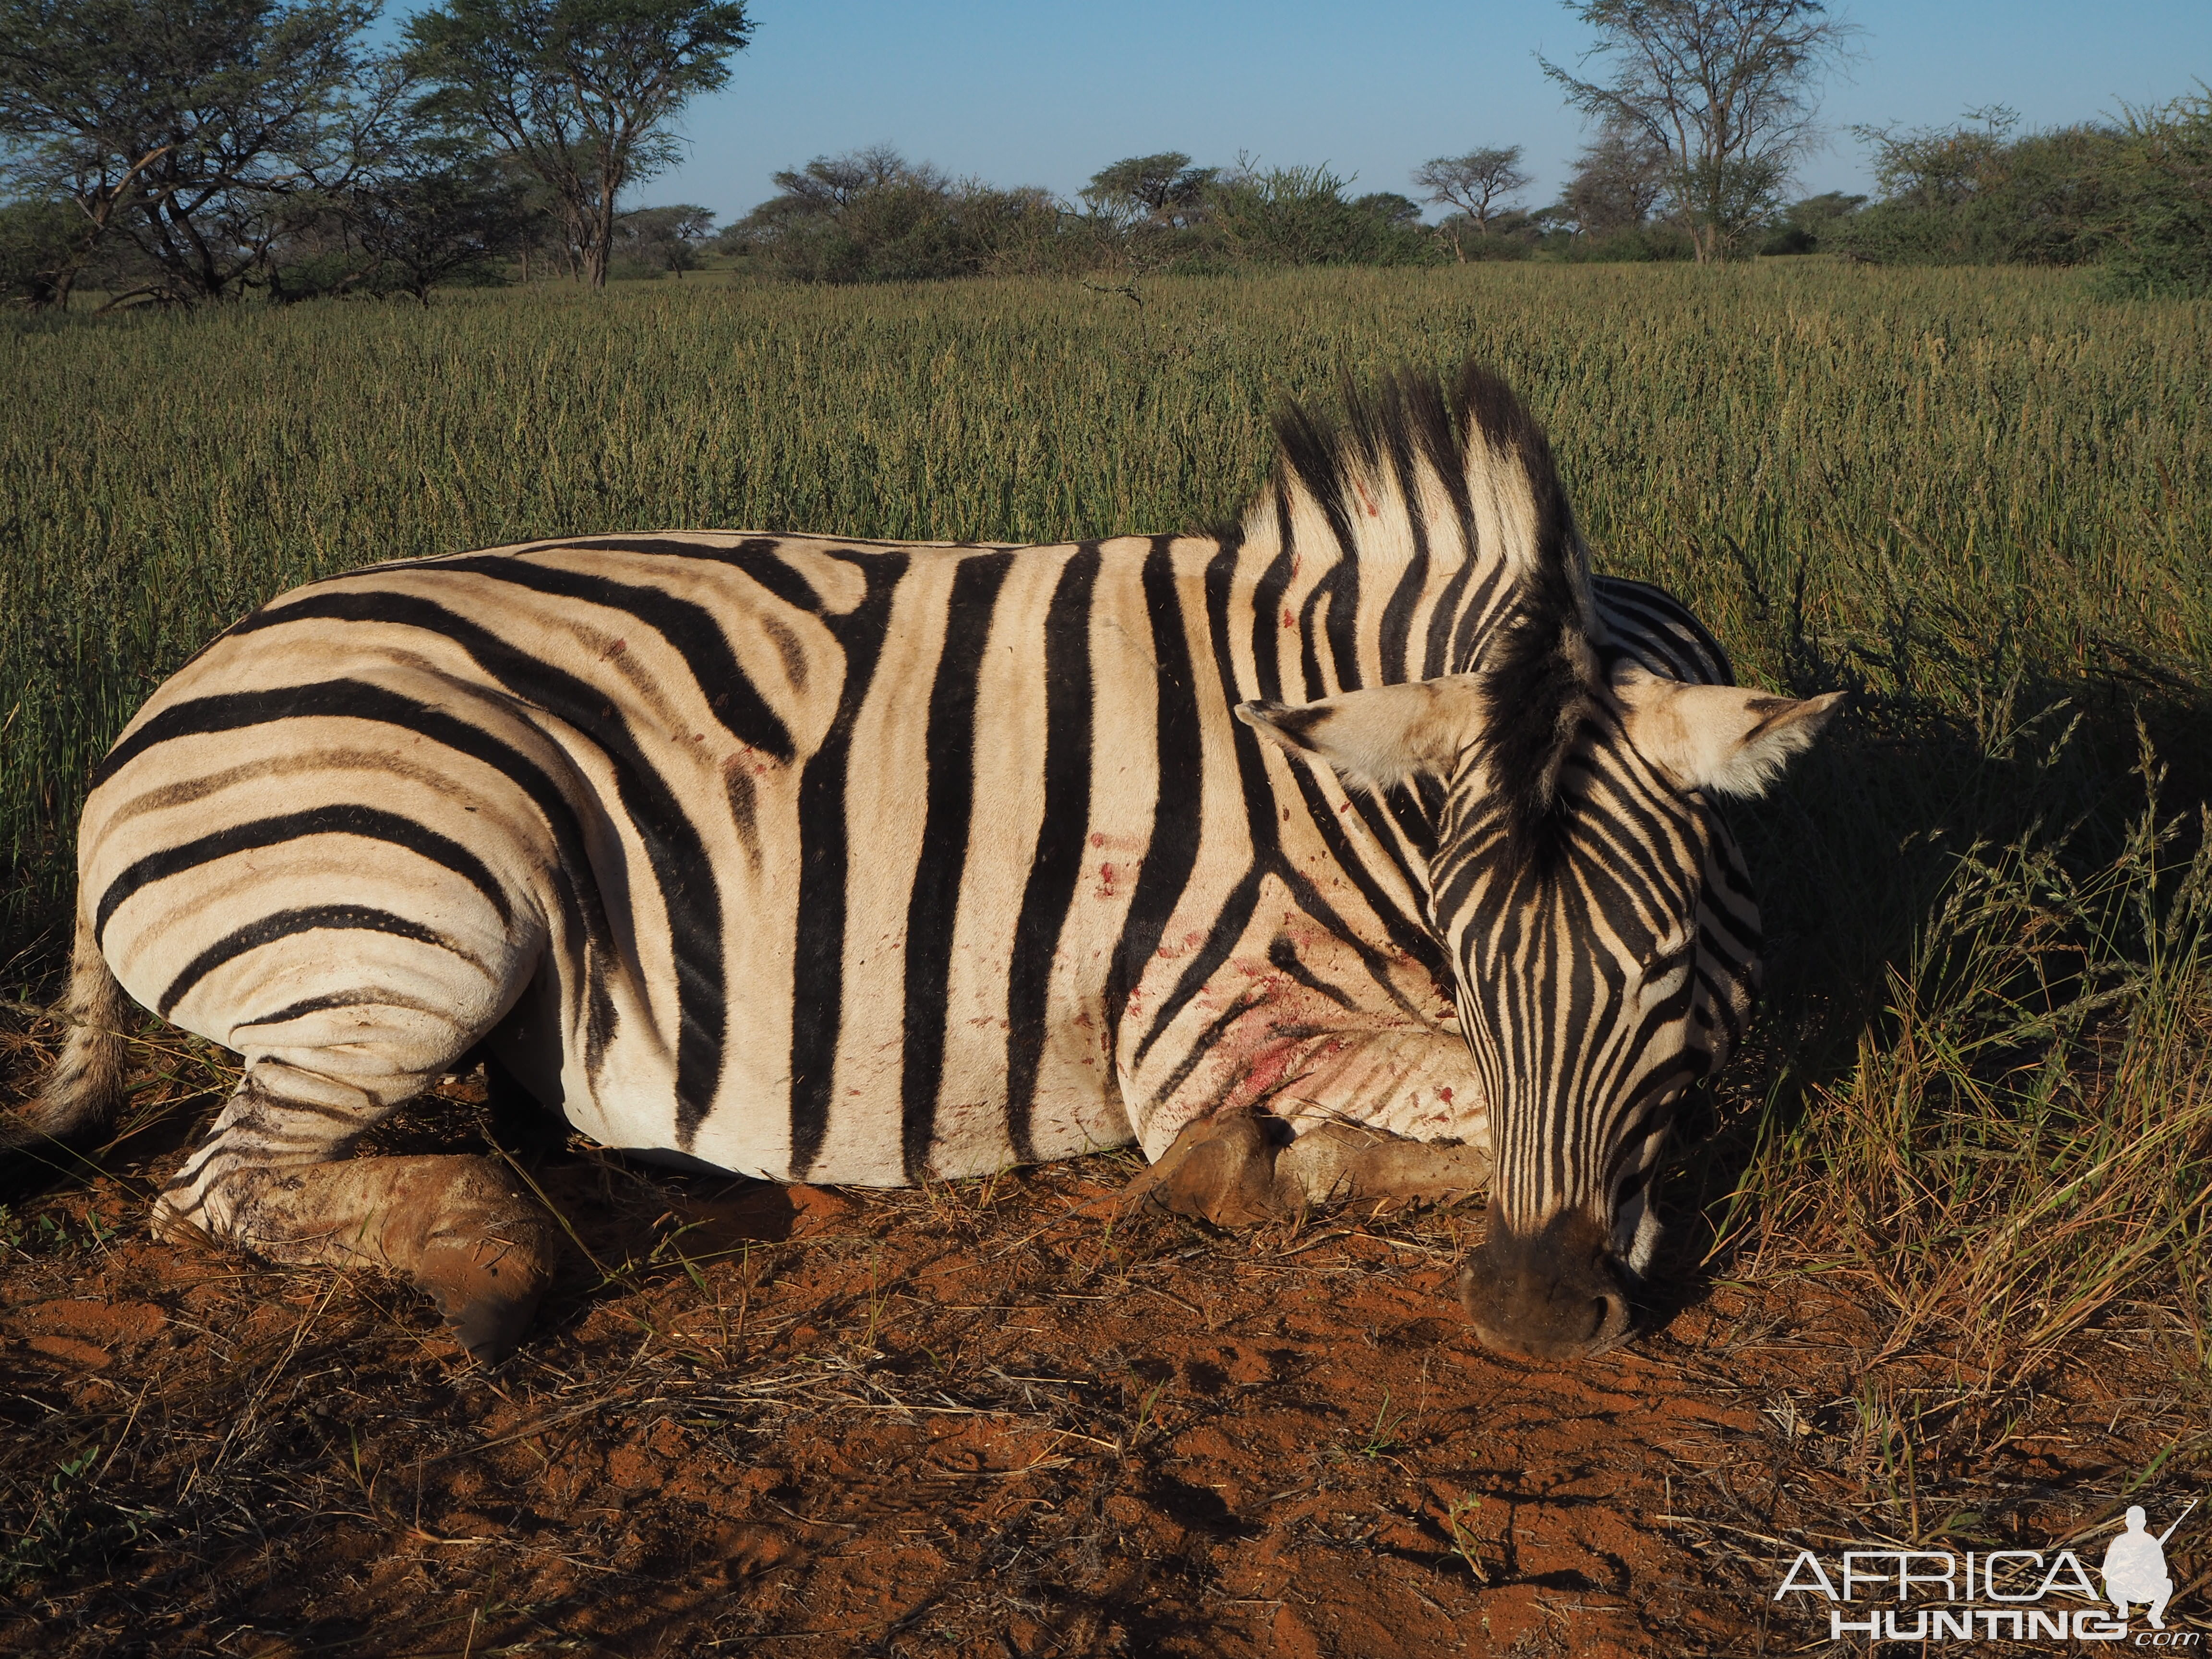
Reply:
x=1363, y=849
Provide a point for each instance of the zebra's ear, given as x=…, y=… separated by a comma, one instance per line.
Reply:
x=1723, y=740
x=1377, y=738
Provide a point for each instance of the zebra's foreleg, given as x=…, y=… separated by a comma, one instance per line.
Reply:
x=272, y=1180
x=1351, y=1163
x=1236, y=1169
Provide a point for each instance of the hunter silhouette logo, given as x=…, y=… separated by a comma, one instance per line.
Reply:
x=2015, y=1596
x=2135, y=1567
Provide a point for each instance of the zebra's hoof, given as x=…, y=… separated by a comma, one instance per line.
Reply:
x=489, y=1328
x=1219, y=1169
x=487, y=1289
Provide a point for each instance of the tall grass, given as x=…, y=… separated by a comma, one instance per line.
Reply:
x=1980, y=498
x=2018, y=1137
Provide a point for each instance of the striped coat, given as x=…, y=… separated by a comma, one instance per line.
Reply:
x=846, y=861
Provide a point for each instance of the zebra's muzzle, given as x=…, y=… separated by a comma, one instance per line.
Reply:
x=1554, y=1294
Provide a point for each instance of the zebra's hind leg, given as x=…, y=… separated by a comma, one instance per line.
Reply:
x=273, y=1179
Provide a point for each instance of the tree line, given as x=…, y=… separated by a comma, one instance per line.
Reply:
x=2131, y=198
x=209, y=147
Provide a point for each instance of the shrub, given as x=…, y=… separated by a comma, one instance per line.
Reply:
x=1301, y=216
x=1811, y=225
x=1636, y=245
x=37, y=245
x=872, y=216
x=1975, y=195
x=2160, y=178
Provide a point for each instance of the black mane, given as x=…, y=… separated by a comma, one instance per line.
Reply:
x=1538, y=667
x=1387, y=430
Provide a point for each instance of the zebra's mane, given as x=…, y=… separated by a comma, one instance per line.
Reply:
x=1539, y=671
x=1374, y=455
x=1540, y=667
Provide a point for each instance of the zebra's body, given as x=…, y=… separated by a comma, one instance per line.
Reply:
x=1055, y=831
x=852, y=862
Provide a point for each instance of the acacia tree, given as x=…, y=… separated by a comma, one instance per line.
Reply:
x=199, y=129
x=1478, y=184
x=581, y=92
x=832, y=184
x=1139, y=211
x=1727, y=88
x=1619, y=178
x=428, y=206
x=669, y=237
x=1164, y=190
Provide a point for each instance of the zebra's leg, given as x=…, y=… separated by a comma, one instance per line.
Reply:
x=273, y=1179
x=1352, y=1163
x=1388, y=1115
x=1235, y=1169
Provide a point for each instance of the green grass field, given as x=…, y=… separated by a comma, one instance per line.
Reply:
x=1978, y=497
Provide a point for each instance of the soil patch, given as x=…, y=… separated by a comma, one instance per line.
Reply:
x=981, y=1419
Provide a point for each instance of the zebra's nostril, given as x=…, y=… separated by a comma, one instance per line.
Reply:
x=1613, y=1318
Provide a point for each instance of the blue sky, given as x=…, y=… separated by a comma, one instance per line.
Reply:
x=1042, y=92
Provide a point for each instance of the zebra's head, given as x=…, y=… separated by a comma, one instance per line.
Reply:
x=1594, y=906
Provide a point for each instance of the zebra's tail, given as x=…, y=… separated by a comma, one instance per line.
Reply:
x=85, y=1092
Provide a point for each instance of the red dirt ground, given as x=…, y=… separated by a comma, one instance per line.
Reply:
x=978, y=1418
